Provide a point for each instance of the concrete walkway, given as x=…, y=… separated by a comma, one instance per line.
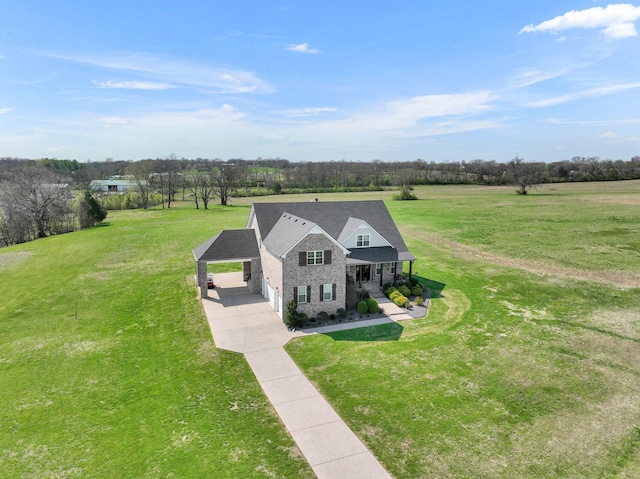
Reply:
x=246, y=323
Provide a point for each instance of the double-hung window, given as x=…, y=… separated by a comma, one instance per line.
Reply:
x=327, y=292
x=362, y=241
x=378, y=269
x=302, y=294
x=315, y=257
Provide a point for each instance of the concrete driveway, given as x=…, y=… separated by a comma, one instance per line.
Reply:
x=246, y=323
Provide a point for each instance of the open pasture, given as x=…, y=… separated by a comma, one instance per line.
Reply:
x=527, y=364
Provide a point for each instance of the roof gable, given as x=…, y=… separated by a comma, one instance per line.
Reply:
x=288, y=231
x=356, y=227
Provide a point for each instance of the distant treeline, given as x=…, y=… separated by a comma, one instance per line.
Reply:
x=281, y=175
x=48, y=196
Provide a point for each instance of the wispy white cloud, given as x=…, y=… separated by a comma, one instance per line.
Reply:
x=592, y=92
x=113, y=121
x=311, y=111
x=524, y=78
x=622, y=121
x=4, y=111
x=407, y=112
x=135, y=85
x=616, y=21
x=414, y=117
x=609, y=135
x=173, y=71
x=302, y=48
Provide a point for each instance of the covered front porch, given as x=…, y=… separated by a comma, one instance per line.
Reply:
x=372, y=268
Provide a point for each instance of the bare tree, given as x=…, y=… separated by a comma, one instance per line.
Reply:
x=141, y=172
x=207, y=189
x=525, y=175
x=35, y=202
x=225, y=178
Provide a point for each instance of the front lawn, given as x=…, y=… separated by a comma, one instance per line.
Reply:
x=518, y=370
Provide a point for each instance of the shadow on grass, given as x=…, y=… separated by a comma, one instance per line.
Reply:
x=435, y=287
x=390, y=331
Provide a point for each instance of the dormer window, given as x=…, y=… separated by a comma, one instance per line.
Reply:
x=362, y=241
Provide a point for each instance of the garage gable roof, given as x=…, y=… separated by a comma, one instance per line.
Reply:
x=227, y=246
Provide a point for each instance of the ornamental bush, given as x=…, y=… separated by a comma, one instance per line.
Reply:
x=363, y=307
x=389, y=290
x=394, y=295
x=401, y=301
x=372, y=304
x=292, y=318
x=404, y=289
x=416, y=290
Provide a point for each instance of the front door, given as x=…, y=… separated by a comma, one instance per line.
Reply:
x=363, y=273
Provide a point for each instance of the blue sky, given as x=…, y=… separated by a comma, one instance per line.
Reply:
x=320, y=80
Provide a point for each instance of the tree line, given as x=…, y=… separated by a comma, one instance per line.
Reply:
x=51, y=196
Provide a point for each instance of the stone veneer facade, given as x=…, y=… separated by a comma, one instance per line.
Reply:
x=315, y=276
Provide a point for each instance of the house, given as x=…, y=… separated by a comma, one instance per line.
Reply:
x=309, y=252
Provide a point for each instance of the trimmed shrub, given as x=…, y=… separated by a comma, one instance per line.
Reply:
x=416, y=290
x=419, y=301
x=404, y=289
x=323, y=315
x=389, y=290
x=363, y=307
x=394, y=295
x=401, y=301
x=342, y=313
x=372, y=305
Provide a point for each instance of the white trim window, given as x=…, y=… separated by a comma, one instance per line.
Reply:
x=327, y=292
x=302, y=294
x=378, y=269
x=362, y=241
x=315, y=257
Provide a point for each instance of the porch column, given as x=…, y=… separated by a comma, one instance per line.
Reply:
x=201, y=275
x=410, y=269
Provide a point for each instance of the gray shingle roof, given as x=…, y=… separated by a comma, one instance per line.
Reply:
x=333, y=217
x=228, y=245
x=286, y=233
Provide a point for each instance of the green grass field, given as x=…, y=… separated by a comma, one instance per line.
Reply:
x=107, y=364
x=527, y=364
